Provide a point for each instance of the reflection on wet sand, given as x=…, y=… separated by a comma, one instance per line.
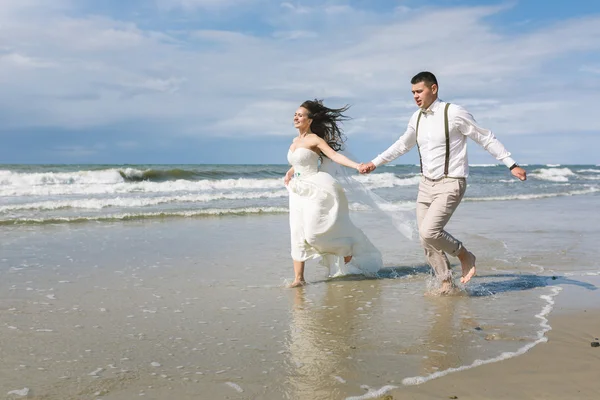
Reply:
x=323, y=337
x=450, y=336
x=345, y=335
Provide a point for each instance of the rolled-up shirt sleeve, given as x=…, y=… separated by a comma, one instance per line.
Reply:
x=406, y=142
x=485, y=138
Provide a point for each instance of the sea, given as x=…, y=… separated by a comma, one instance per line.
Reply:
x=169, y=281
x=42, y=194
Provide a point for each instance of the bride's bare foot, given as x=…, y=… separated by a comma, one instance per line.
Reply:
x=347, y=259
x=296, y=284
x=467, y=262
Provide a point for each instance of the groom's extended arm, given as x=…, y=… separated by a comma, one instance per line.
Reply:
x=407, y=141
x=486, y=139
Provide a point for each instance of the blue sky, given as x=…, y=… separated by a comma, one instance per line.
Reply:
x=218, y=81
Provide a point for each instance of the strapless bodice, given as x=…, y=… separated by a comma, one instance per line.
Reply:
x=304, y=161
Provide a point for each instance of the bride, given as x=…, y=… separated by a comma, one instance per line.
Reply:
x=320, y=223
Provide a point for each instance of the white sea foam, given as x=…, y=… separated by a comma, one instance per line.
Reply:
x=70, y=187
x=386, y=180
x=235, y=386
x=96, y=372
x=553, y=174
x=589, y=190
x=373, y=394
x=593, y=171
x=129, y=216
x=111, y=182
x=140, y=201
x=22, y=392
x=107, y=176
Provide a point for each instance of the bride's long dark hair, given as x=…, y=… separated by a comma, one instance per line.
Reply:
x=325, y=122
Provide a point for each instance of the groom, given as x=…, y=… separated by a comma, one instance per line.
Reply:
x=440, y=131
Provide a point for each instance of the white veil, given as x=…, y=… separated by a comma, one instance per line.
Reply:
x=403, y=221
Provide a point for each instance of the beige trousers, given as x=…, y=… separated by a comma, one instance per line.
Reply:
x=436, y=203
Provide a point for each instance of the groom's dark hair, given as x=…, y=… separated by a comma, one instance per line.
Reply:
x=427, y=77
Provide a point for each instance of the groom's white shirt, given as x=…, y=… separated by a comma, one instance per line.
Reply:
x=432, y=141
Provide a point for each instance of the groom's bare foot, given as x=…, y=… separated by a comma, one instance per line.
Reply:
x=446, y=287
x=467, y=262
x=347, y=259
x=296, y=284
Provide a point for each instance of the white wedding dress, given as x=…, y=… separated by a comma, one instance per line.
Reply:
x=320, y=221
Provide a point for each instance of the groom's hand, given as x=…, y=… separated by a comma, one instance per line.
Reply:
x=367, y=168
x=519, y=173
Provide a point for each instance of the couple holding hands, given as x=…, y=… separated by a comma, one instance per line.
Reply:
x=320, y=224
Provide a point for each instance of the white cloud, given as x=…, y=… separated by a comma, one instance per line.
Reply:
x=22, y=61
x=338, y=9
x=295, y=35
x=298, y=9
x=591, y=68
x=224, y=37
x=88, y=71
x=195, y=4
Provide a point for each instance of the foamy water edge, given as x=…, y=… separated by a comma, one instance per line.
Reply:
x=541, y=338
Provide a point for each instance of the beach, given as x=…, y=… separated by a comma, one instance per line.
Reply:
x=188, y=305
x=564, y=367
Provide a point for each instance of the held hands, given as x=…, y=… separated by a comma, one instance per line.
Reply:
x=519, y=173
x=366, y=168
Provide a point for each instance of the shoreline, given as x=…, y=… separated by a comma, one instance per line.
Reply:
x=565, y=366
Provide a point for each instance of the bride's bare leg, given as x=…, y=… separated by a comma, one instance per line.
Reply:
x=298, y=274
x=347, y=259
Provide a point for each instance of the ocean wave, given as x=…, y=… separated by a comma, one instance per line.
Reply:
x=112, y=182
x=156, y=175
x=214, y=212
x=553, y=174
x=534, y=196
x=103, y=177
x=139, y=201
x=144, y=187
x=216, y=173
x=122, y=174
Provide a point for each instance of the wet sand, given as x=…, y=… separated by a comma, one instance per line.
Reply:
x=197, y=309
x=565, y=367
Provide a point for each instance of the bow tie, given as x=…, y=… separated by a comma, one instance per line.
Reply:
x=427, y=111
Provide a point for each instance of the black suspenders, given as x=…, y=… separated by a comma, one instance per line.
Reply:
x=447, y=131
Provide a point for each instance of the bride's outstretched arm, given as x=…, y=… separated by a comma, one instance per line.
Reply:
x=288, y=176
x=335, y=156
